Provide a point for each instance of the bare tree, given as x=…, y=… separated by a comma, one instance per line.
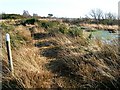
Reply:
x=97, y=14
x=102, y=18
x=110, y=16
x=26, y=13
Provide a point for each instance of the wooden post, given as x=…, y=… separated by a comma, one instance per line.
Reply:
x=9, y=53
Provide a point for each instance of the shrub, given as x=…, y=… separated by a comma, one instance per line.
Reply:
x=29, y=21
x=75, y=32
x=63, y=29
x=53, y=24
x=48, y=24
x=44, y=25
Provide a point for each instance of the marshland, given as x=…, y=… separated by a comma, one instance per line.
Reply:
x=57, y=53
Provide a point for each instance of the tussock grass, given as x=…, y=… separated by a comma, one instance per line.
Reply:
x=86, y=67
x=50, y=59
x=100, y=68
x=29, y=69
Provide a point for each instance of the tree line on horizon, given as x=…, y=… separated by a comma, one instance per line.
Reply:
x=96, y=16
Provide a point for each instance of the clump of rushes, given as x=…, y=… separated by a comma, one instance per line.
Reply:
x=76, y=31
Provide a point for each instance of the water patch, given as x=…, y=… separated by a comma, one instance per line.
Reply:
x=105, y=36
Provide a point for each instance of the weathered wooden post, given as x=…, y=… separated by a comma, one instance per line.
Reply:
x=9, y=53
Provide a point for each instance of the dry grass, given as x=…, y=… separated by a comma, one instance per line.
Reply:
x=29, y=68
x=60, y=61
x=83, y=67
x=101, y=26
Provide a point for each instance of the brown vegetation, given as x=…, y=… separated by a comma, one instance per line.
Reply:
x=101, y=27
x=47, y=58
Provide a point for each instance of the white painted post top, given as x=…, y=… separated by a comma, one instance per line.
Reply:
x=7, y=37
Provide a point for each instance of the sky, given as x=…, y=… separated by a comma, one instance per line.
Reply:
x=59, y=8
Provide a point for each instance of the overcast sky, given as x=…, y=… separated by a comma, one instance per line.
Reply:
x=59, y=8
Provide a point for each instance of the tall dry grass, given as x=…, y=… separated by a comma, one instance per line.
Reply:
x=71, y=62
x=84, y=67
x=29, y=70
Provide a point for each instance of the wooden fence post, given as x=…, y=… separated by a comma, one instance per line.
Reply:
x=9, y=53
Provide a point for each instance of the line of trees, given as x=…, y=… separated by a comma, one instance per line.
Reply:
x=11, y=16
x=99, y=17
x=96, y=16
x=24, y=15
